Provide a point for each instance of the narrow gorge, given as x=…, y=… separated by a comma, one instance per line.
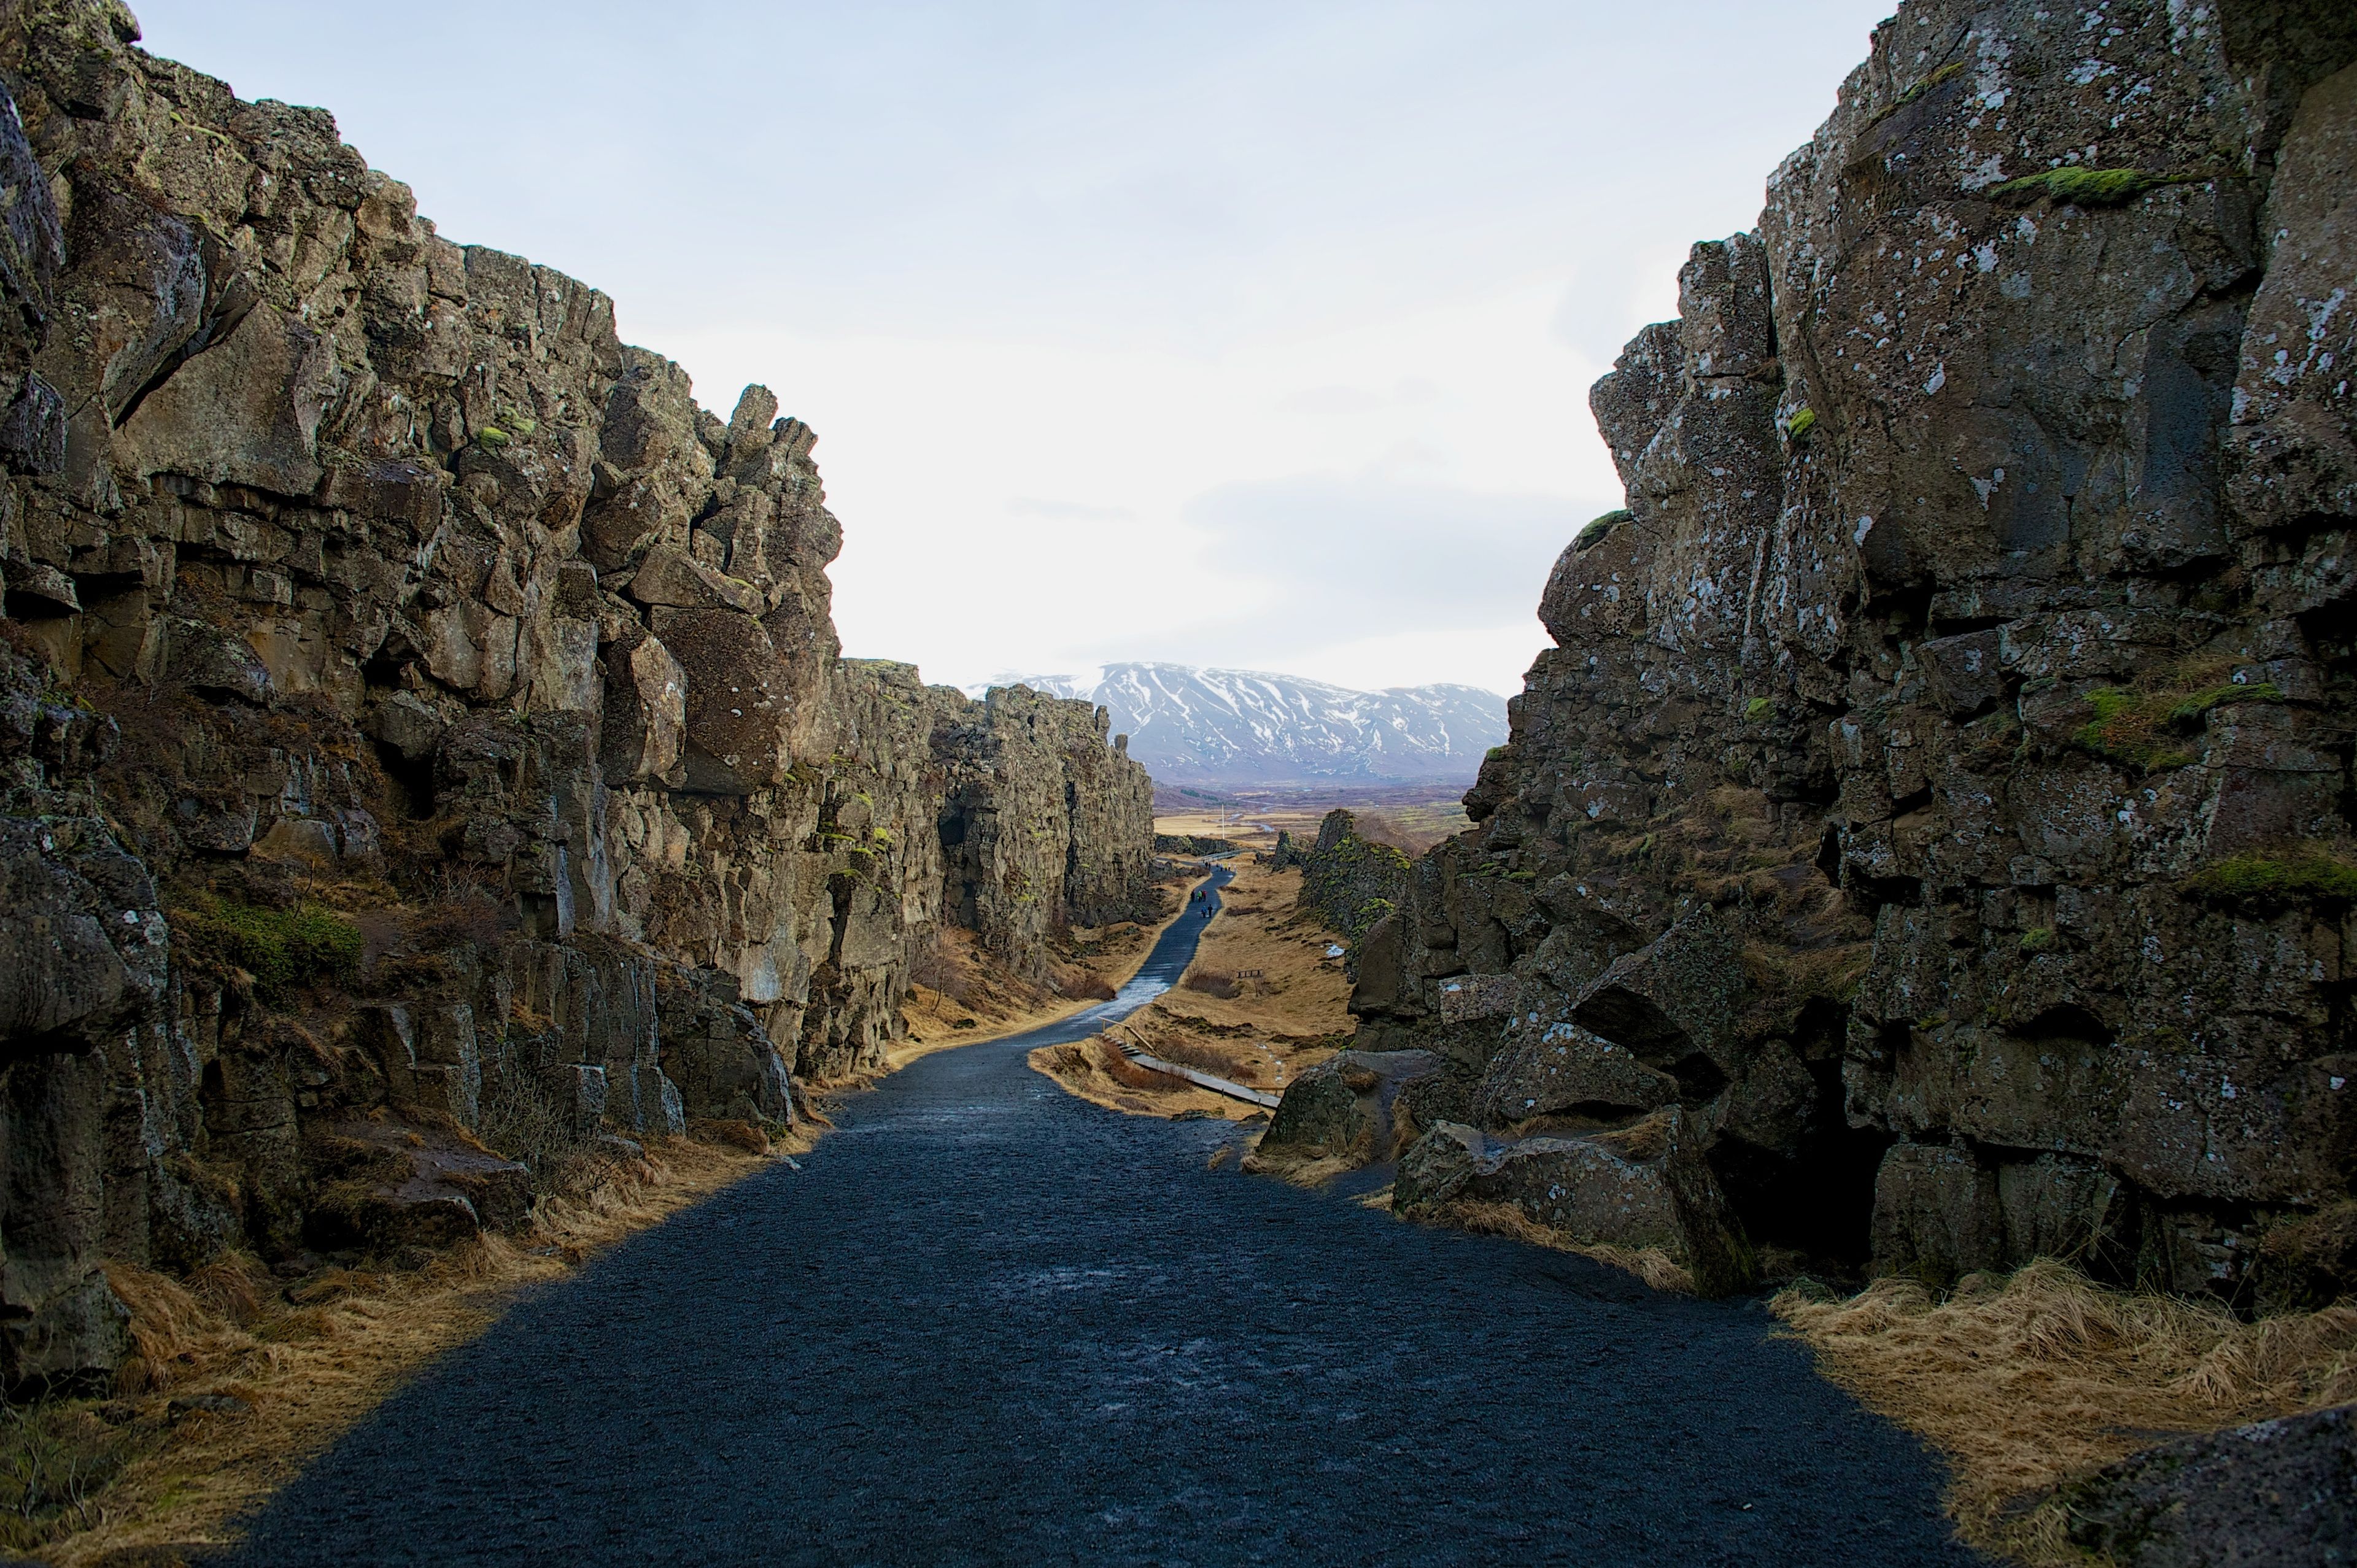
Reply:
x=414, y=702
x=1921, y=869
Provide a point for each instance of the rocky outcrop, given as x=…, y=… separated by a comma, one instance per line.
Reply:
x=1350, y=883
x=416, y=711
x=2275, y=1492
x=1642, y=1186
x=1342, y=1107
x=1937, y=789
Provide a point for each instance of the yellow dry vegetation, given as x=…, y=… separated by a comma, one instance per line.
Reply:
x=1259, y=1004
x=2029, y=1380
x=1095, y=1070
x=1650, y=1264
x=973, y=999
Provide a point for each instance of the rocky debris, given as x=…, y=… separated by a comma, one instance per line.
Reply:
x=1936, y=787
x=1645, y=1185
x=415, y=711
x=2277, y=1491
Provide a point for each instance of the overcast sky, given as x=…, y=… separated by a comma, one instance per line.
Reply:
x=1248, y=334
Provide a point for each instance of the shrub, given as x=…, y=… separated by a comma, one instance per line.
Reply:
x=1230, y=1062
x=1083, y=985
x=281, y=949
x=1216, y=982
x=2306, y=875
x=935, y=967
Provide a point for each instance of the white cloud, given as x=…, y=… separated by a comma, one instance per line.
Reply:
x=1114, y=321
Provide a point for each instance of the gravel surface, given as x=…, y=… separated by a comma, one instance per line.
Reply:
x=988, y=1323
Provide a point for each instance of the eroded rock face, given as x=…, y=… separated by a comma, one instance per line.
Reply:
x=1937, y=789
x=1646, y=1184
x=480, y=754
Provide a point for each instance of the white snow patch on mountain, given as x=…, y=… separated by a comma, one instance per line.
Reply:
x=1251, y=726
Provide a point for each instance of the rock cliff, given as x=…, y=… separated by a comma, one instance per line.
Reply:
x=413, y=705
x=1938, y=786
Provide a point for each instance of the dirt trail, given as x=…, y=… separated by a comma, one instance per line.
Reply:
x=989, y=1322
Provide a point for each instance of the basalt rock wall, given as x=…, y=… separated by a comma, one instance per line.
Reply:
x=415, y=706
x=1939, y=785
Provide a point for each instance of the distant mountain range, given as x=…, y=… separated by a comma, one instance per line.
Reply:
x=1247, y=726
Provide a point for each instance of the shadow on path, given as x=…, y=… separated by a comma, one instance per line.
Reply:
x=989, y=1322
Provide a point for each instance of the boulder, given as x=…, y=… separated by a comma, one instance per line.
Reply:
x=393, y=1186
x=1343, y=1105
x=2278, y=1491
x=1563, y=1068
x=1937, y=1214
x=1645, y=1185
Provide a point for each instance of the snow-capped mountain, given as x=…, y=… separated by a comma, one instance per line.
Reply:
x=1247, y=727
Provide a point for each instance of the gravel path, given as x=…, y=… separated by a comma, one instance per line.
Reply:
x=988, y=1323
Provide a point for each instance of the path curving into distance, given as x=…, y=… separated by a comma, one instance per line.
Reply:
x=988, y=1323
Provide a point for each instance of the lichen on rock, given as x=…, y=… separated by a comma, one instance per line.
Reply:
x=416, y=711
x=1935, y=791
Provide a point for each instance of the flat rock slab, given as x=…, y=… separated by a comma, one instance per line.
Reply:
x=2276, y=1491
x=989, y=1322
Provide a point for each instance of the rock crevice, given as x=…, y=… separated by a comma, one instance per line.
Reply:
x=1938, y=788
x=415, y=706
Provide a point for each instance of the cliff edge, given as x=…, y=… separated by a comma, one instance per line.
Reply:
x=1934, y=810
x=417, y=712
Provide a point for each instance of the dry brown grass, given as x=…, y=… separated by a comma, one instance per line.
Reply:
x=1216, y=982
x=1312, y=1171
x=1239, y=1063
x=1086, y=1070
x=1264, y=966
x=1650, y=1264
x=311, y=1358
x=962, y=996
x=2030, y=1380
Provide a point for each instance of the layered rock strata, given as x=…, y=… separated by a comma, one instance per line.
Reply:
x=416, y=707
x=1938, y=786
x=1348, y=882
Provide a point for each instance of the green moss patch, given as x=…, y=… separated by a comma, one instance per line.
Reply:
x=1797, y=428
x=2079, y=187
x=2308, y=873
x=282, y=948
x=1599, y=528
x=2141, y=728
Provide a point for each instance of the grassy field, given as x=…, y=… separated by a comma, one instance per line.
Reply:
x=1412, y=820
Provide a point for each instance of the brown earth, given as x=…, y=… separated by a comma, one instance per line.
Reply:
x=1412, y=820
x=1261, y=1004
